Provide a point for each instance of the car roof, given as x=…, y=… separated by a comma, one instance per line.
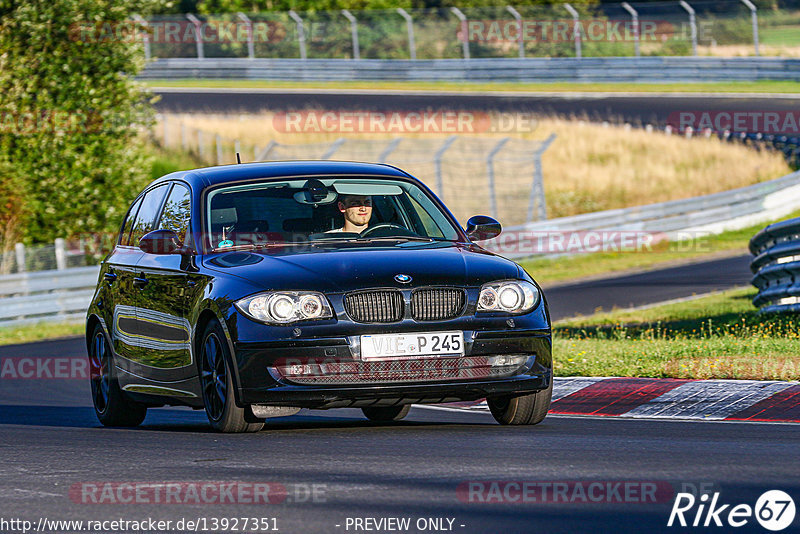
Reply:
x=208, y=176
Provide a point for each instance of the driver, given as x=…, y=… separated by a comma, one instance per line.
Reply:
x=357, y=211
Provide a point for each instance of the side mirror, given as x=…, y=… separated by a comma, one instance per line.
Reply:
x=161, y=242
x=481, y=228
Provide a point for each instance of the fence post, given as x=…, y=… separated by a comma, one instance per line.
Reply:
x=145, y=36
x=333, y=148
x=301, y=33
x=437, y=163
x=389, y=149
x=518, y=18
x=692, y=25
x=537, y=190
x=576, y=28
x=464, y=30
x=198, y=35
x=635, y=16
x=218, y=141
x=200, y=149
x=164, y=120
x=754, y=17
x=353, y=32
x=184, y=138
x=251, y=47
x=412, y=47
x=19, y=250
x=490, y=175
x=61, y=254
x=261, y=156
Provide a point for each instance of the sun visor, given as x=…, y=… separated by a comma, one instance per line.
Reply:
x=366, y=188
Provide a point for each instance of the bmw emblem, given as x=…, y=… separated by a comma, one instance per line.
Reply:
x=402, y=278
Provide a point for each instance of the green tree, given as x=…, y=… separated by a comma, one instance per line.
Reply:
x=71, y=114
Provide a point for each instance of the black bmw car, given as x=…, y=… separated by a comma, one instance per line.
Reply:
x=255, y=290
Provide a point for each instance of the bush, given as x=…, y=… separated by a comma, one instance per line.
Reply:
x=71, y=114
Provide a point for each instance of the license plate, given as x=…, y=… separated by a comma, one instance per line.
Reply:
x=412, y=345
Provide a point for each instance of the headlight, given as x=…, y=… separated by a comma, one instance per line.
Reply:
x=510, y=296
x=284, y=307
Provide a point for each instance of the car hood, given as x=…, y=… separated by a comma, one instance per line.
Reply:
x=346, y=269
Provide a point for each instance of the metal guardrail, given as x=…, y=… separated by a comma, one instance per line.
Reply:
x=46, y=295
x=728, y=210
x=776, y=267
x=600, y=69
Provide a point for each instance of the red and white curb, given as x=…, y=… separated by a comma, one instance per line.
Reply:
x=669, y=398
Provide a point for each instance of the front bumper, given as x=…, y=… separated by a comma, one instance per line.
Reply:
x=338, y=377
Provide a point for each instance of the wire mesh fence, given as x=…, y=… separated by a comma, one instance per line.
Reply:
x=667, y=28
x=18, y=258
x=501, y=176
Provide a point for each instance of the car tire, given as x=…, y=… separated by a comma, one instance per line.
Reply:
x=525, y=410
x=216, y=382
x=111, y=405
x=386, y=414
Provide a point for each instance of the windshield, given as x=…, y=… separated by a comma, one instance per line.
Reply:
x=324, y=210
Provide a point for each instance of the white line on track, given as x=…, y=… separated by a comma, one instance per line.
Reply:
x=613, y=418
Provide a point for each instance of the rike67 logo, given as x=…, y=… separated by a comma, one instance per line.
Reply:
x=774, y=510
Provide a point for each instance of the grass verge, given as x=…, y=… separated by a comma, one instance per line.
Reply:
x=763, y=86
x=717, y=336
x=562, y=269
x=11, y=335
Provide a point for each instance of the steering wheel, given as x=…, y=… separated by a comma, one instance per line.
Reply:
x=387, y=226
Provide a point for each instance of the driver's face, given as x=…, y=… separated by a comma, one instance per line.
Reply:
x=356, y=209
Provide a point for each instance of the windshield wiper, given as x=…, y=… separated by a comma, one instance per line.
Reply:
x=399, y=238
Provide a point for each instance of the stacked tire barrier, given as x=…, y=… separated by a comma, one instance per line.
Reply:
x=776, y=267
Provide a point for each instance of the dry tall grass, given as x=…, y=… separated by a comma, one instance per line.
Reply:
x=588, y=168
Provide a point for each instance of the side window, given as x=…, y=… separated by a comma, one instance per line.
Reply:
x=431, y=228
x=124, y=236
x=176, y=212
x=146, y=218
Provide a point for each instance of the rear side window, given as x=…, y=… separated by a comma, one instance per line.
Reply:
x=125, y=235
x=177, y=210
x=148, y=211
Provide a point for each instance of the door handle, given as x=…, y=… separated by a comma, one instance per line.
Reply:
x=109, y=277
x=140, y=281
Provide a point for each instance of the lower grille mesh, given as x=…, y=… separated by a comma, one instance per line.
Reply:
x=310, y=372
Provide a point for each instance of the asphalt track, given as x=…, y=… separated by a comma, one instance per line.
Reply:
x=52, y=447
x=640, y=289
x=636, y=108
x=52, y=452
